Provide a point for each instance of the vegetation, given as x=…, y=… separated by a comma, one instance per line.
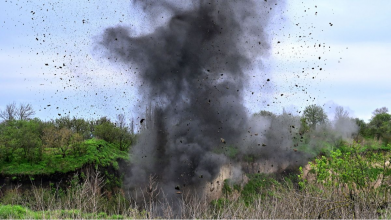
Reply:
x=61, y=145
x=314, y=115
x=344, y=179
x=19, y=212
x=50, y=151
x=93, y=151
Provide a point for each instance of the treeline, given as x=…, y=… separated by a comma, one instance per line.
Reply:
x=25, y=138
x=379, y=127
x=314, y=120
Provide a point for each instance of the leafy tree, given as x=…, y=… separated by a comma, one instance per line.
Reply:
x=76, y=125
x=387, y=133
x=123, y=136
x=57, y=138
x=30, y=139
x=9, y=140
x=380, y=111
x=379, y=125
x=63, y=122
x=76, y=142
x=304, y=128
x=21, y=134
x=106, y=131
x=314, y=115
x=363, y=130
x=266, y=114
x=102, y=120
x=116, y=133
x=81, y=127
x=64, y=141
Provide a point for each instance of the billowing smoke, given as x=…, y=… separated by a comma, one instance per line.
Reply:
x=193, y=70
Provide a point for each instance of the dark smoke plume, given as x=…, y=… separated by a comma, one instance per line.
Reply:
x=193, y=69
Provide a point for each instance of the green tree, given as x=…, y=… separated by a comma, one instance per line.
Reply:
x=58, y=139
x=363, y=129
x=63, y=122
x=23, y=135
x=266, y=114
x=304, y=128
x=379, y=125
x=76, y=142
x=314, y=115
x=81, y=127
x=380, y=111
x=9, y=140
x=106, y=131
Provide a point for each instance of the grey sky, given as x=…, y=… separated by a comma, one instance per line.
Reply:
x=355, y=69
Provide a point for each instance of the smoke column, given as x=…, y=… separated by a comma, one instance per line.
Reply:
x=192, y=68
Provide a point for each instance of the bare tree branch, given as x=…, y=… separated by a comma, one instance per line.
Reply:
x=121, y=121
x=340, y=113
x=24, y=112
x=9, y=112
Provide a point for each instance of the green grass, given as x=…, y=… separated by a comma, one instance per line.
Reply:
x=257, y=186
x=97, y=152
x=229, y=151
x=20, y=212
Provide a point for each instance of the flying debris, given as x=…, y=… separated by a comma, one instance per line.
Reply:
x=195, y=70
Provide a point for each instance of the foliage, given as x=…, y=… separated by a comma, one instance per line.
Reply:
x=362, y=128
x=355, y=168
x=230, y=151
x=58, y=139
x=314, y=115
x=20, y=212
x=258, y=186
x=219, y=204
x=23, y=136
x=380, y=111
x=227, y=190
x=380, y=125
x=265, y=113
x=97, y=152
x=37, y=144
x=108, y=131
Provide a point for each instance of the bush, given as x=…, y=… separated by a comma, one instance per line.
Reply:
x=258, y=186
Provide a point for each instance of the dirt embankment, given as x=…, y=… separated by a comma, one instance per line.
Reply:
x=57, y=179
x=237, y=174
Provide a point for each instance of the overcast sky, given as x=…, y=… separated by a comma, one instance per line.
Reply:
x=49, y=58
